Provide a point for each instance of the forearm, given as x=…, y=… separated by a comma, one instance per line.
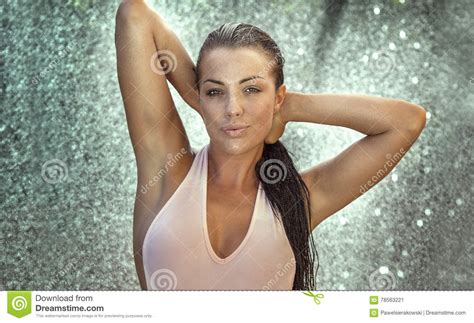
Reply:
x=175, y=60
x=182, y=75
x=370, y=115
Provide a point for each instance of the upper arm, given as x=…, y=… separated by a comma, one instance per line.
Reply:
x=155, y=127
x=154, y=124
x=334, y=183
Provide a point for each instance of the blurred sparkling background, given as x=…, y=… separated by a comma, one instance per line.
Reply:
x=68, y=169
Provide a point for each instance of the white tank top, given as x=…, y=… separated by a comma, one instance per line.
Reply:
x=177, y=253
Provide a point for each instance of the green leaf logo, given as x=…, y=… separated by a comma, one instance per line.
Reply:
x=316, y=297
x=19, y=303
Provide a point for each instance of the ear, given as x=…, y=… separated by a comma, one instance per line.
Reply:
x=279, y=98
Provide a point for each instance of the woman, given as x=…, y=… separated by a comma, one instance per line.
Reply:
x=217, y=218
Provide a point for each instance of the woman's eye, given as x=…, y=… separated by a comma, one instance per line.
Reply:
x=253, y=90
x=212, y=92
x=215, y=92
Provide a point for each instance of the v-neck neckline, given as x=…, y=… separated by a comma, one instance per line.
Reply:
x=209, y=247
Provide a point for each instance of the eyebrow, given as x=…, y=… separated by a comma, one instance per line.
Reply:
x=240, y=82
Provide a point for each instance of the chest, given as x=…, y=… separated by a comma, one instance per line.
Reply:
x=228, y=220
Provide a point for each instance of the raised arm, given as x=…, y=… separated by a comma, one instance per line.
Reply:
x=155, y=127
x=391, y=126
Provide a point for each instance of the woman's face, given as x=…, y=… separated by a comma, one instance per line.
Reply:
x=237, y=87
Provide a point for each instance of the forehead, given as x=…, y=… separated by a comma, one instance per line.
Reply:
x=231, y=65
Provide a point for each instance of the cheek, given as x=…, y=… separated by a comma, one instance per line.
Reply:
x=209, y=115
x=264, y=118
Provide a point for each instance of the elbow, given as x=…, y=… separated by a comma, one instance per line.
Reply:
x=421, y=118
x=415, y=119
x=132, y=17
x=131, y=11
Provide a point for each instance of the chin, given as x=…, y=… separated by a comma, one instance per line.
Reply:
x=236, y=146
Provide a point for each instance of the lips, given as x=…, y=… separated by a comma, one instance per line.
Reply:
x=234, y=127
x=235, y=131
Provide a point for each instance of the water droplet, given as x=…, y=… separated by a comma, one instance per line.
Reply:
x=400, y=274
x=300, y=51
x=365, y=59
x=427, y=169
x=345, y=274
x=459, y=201
x=419, y=223
x=377, y=211
x=404, y=253
x=414, y=80
x=392, y=46
x=394, y=177
x=376, y=10
x=451, y=212
x=403, y=35
x=342, y=220
x=416, y=45
x=300, y=132
x=428, y=115
x=384, y=270
x=427, y=211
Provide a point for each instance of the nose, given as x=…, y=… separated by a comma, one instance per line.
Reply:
x=233, y=107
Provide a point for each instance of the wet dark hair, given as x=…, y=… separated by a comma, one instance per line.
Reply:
x=287, y=194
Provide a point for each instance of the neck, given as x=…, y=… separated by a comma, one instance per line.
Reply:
x=233, y=171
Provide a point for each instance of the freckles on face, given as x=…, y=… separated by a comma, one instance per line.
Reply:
x=237, y=87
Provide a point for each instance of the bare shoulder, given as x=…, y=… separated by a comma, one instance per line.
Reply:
x=160, y=183
x=177, y=171
x=154, y=188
